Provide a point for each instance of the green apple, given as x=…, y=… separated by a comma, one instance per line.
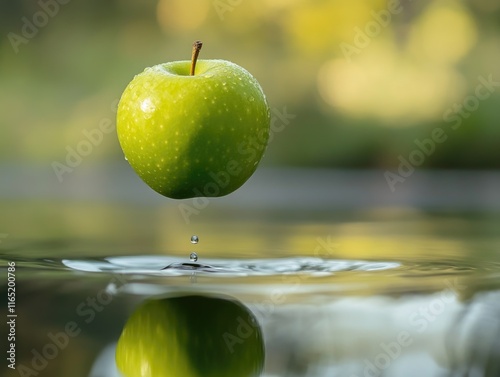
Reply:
x=194, y=128
x=191, y=336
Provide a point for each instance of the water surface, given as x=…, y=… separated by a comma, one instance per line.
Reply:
x=380, y=291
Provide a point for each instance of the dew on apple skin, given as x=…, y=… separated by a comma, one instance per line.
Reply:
x=147, y=107
x=194, y=239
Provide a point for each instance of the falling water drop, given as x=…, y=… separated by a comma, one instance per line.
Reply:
x=194, y=239
x=193, y=257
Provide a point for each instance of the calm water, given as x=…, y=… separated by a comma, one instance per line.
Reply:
x=376, y=292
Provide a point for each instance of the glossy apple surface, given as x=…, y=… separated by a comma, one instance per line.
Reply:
x=189, y=136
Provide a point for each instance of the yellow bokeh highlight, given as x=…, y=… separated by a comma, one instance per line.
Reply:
x=414, y=93
x=316, y=27
x=182, y=15
x=444, y=34
x=403, y=82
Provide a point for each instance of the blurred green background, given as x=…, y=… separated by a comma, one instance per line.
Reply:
x=364, y=78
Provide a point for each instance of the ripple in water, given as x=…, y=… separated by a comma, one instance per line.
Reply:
x=164, y=265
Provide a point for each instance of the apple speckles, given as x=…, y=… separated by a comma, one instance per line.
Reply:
x=197, y=126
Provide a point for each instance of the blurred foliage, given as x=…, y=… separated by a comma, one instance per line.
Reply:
x=359, y=109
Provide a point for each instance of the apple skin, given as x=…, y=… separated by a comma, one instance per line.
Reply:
x=191, y=136
x=191, y=336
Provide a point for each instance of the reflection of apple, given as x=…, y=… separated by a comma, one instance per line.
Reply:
x=191, y=336
x=188, y=135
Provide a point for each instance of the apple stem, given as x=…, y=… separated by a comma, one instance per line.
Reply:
x=194, y=57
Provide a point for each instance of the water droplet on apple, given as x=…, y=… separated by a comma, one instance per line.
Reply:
x=148, y=107
x=126, y=159
x=251, y=99
x=193, y=257
x=194, y=239
x=223, y=83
